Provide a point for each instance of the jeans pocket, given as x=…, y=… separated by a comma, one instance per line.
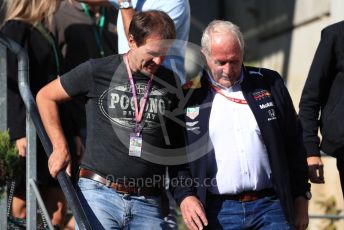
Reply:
x=88, y=184
x=153, y=200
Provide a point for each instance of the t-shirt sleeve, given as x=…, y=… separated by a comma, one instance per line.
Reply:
x=78, y=81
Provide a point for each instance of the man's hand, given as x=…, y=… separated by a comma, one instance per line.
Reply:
x=59, y=160
x=193, y=213
x=316, y=170
x=21, y=146
x=301, y=213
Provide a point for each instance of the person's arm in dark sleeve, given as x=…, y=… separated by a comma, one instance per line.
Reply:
x=16, y=111
x=183, y=189
x=296, y=158
x=179, y=172
x=181, y=182
x=314, y=97
x=314, y=92
x=15, y=106
x=295, y=152
x=182, y=185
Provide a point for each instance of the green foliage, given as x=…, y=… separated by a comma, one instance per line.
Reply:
x=180, y=222
x=251, y=63
x=10, y=162
x=330, y=208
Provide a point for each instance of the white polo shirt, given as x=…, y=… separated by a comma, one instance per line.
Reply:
x=241, y=161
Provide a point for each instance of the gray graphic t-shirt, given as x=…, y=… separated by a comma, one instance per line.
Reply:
x=110, y=112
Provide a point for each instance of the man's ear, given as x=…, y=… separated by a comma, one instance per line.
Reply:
x=131, y=42
x=204, y=58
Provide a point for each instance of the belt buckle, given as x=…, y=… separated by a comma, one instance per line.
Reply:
x=242, y=198
x=246, y=198
x=124, y=189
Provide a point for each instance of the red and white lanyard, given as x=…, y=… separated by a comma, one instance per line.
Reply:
x=236, y=100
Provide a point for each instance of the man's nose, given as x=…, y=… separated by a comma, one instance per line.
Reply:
x=225, y=68
x=158, y=60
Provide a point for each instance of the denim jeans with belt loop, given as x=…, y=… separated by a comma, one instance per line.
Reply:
x=107, y=209
x=264, y=213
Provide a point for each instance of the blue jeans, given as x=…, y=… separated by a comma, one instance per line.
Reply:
x=107, y=209
x=265, y=213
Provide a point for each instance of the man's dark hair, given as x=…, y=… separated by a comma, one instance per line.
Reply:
x=151, y=22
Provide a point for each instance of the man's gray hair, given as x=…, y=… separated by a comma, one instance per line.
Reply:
x=220, y=26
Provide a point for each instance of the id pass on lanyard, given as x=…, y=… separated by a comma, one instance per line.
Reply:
x=135, y=142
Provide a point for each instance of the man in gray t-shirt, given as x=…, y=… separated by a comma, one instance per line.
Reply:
x=128, y=98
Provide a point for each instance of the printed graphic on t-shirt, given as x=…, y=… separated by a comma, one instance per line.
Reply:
x=117, y=104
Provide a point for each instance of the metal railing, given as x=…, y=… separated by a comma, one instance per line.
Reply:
x=34, y=120
x=327, y=216
x=3, y=123
x=332, y=217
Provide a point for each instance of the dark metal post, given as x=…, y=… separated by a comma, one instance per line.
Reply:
x=31, y=174
x=3, y=123
x=3, y=88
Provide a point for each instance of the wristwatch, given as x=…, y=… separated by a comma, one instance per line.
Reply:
x=308, y=195
x=125, y=4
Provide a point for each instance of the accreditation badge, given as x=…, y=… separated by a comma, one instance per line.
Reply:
x=135, y=145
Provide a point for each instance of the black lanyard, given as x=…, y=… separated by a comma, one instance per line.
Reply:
x=97, y=33
x=51, y=40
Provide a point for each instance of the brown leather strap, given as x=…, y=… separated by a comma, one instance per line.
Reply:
x=246, y=196
x=121, y=188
